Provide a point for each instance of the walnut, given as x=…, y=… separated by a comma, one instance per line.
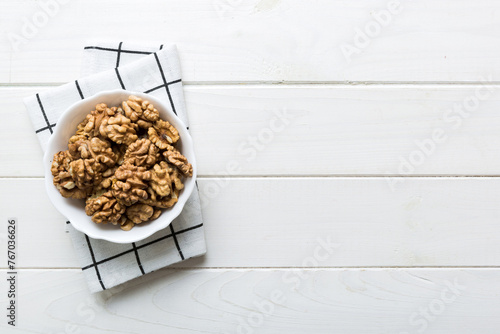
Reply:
x=161, y=202
x=139, y=213
x=165, y=185
x=119, y=129
x=108, y=178
x=90, y=159
x=168, y=201
x=156, y=214
x=176, y=158
x=120, y=151
x=125, y=223
x=143, y=124
x=176, y=179
x=163, y=134
x=142, y=153
x=96, y=149
x=84, y=173
x=140, y=111
x=79, y=149
x=104, y=208
x=102, y=152
x=160, y=179
x=150, y=113
x=97, y=117
x=89, y=127
x=81, y=133
x=60, y=162
x=130, y=184
x=62, y=177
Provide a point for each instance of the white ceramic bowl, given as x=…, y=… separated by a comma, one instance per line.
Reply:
x=73, y=209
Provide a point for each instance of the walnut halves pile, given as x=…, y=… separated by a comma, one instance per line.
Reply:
x=123, y=162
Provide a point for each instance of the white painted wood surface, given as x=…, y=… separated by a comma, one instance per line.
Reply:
x=338, y=130
x=268, y=40
x=239, y=301
x=281, y=222
x=396, y=243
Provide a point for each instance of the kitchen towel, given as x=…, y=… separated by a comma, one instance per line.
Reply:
x=149, y=68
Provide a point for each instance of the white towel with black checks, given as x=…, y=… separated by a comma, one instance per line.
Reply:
x=151, y=69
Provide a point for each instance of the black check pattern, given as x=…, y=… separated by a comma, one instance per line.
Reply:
x=135, y=248
x=42, y=109
x=184, y=238
x=93, y=260
x=118, y=52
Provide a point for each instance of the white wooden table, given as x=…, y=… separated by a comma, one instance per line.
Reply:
x=370, y=206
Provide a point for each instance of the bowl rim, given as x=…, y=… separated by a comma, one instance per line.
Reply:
x=174, y=211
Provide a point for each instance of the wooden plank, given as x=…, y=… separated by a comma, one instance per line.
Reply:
x=302, y=222
x=263, y=301
x=261, y=40
x=312, y=130
x=20, y=152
